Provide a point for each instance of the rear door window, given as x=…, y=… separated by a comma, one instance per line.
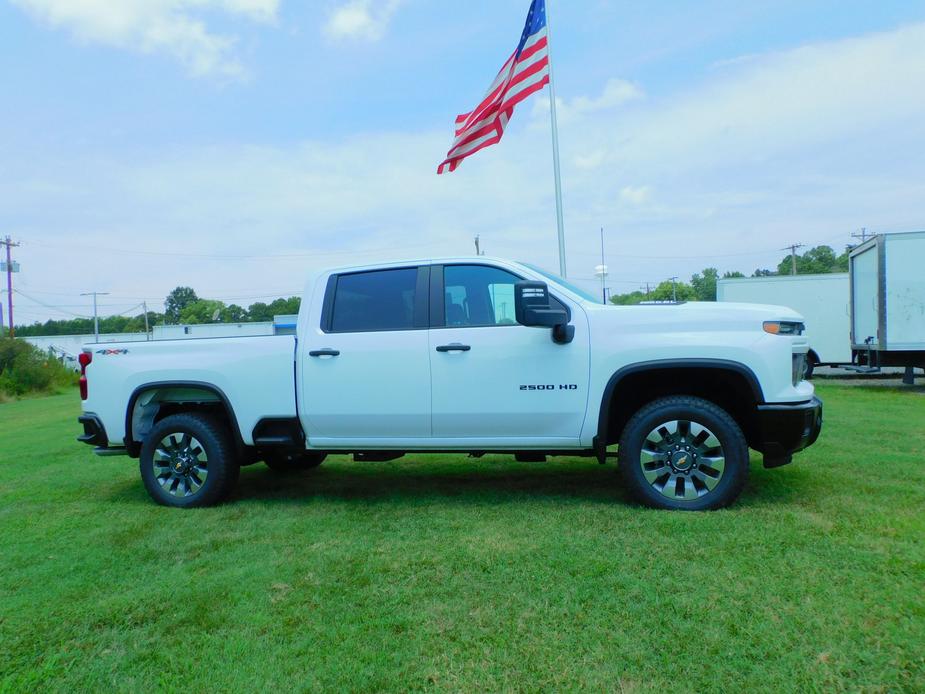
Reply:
x=373, y=301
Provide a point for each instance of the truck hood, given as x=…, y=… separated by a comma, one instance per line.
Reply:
x=694, y=316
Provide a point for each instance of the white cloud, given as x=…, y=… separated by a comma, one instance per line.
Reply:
x=616, y=93
x=171, y=27
x=360, y=20
x=635, y=195
x=784, y=104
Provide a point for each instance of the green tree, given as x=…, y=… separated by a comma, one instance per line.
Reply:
x=203, y=311
x=628, y=299
x=234, y=314
x=819, y=260
x=259, y=312
x=666, y=291
x=177, y=301
x=284, y=307
x=704, y=285
x=262, y=312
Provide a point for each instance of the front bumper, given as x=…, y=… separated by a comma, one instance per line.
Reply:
x=786, y=429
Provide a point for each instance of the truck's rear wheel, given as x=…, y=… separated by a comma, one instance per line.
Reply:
x=188, y=460
x=683, y=453
x=293, y=462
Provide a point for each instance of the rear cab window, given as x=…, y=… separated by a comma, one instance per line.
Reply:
x=373, y=301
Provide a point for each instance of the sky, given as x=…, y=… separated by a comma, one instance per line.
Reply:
x=235, y=145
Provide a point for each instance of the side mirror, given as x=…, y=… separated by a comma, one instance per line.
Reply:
x=532, y=308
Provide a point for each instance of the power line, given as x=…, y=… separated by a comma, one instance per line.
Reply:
x=709, y=255
x=228, y=256
x=312, y=254
x=53, y=308
x=73, y=292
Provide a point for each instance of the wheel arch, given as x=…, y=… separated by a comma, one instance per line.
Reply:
x=170, y=397
x=728, y=384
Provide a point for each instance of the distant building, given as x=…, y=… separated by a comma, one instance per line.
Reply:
x=179, y=332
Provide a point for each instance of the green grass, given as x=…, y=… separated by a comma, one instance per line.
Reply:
x=446, y=573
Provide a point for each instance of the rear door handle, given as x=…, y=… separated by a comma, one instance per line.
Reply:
x=453, y=347
x=326, y=352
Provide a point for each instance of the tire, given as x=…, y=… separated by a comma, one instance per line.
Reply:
x=202, y=445
x=293, y=462
x=808, y=368
x=683, y=452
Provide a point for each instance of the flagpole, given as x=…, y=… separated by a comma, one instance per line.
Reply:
x=555, y=148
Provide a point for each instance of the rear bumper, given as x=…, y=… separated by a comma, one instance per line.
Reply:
x=94, y=432
x=787, y=429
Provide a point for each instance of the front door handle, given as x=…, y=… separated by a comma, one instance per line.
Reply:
x=326, y=352
x=453, y=347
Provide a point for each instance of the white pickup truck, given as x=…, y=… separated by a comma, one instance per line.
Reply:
x=471, y=355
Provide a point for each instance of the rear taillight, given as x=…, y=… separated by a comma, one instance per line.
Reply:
x=84, y=359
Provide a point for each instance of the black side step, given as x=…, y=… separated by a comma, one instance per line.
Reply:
x=275, y=432
x=377, y=456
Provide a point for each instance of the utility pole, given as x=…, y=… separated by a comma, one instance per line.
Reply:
x=674, y=289
x=477, y=251
x=96, y=320
x=793, y=256
x=601, y=270
x=604, y=268
x=10, y=269
x=863, y=235
x=144, y=305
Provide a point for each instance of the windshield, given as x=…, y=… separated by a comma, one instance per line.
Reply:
x=587, y=296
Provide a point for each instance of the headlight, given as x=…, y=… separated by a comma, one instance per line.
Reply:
x=783, y=327
x=799, y=367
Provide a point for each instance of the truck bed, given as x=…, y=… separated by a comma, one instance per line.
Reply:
x=255, y=374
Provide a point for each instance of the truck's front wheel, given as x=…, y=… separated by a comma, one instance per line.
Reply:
x=188, y=460
x=683, y=452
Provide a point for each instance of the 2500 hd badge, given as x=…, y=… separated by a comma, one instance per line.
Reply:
x=562, y=386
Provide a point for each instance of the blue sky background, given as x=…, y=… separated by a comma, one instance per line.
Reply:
x=234, y=144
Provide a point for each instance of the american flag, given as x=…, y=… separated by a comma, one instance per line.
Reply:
x=525, y=72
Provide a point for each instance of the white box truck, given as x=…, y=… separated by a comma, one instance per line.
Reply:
x=822, y=300
x=888, y=300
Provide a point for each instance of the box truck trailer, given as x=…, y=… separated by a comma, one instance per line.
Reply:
x=822, y=300
x=887, y=278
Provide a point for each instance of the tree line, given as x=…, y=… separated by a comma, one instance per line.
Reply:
x=820, y=260
x=182, y=306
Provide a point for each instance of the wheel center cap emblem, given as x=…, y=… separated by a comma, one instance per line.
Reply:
x=682, y=461
x=178, y=467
